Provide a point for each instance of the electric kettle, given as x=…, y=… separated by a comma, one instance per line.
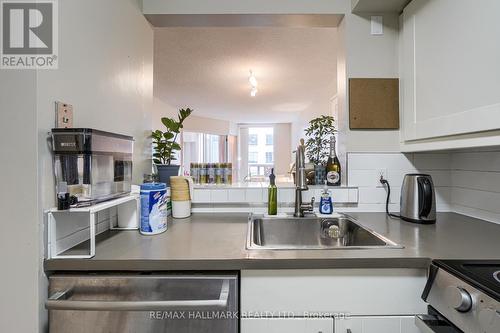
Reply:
x=418, y=200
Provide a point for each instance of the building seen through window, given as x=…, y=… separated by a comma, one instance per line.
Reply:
x=260, y=151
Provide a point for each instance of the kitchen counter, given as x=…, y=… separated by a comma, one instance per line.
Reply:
x=217, y=242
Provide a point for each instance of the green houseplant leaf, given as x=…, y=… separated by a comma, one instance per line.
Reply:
x=165, y=142
x=318, y=135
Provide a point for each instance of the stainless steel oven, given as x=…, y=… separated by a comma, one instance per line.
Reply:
x=463, y=296
x=143, y=303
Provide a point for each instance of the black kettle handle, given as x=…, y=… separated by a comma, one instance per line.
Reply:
x=425, y=204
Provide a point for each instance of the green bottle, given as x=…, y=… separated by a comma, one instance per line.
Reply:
x=272, y=191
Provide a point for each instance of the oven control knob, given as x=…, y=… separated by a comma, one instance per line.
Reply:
x=489, y=320
x=458, y=298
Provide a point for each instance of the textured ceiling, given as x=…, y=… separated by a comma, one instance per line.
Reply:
x=208, y=68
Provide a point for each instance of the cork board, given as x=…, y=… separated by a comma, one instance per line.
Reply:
x=373, y=103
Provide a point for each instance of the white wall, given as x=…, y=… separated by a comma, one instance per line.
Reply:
x=19, y=239
x=207, y=125
x=282, y=148
x=105, y=71
x=194, y=123
x=366, y=56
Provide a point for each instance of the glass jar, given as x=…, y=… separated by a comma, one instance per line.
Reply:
x=195, y=172
x=228, y=174
x=203, y=173
x=223, y=167
x=211, y=173
x=219, y=174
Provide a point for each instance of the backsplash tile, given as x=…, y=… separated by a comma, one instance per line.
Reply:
x=475, y=178
x=431, y=161
x=363, y=172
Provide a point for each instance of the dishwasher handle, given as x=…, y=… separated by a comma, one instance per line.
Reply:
x=59, y=301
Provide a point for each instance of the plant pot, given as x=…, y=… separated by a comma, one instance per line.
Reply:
x=319, y=174
x=166, y=171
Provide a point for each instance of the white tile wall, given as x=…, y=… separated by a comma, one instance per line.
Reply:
x=364, y=172
x=475, y=178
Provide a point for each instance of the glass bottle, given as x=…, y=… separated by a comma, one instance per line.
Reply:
x=229, y=173
x=203, y=173
x=272, y=193
x=219, y=174
x=333, y=170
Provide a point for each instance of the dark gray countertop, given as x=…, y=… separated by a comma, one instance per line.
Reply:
x=217, y=242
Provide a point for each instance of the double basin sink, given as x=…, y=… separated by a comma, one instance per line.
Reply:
x=312, y=233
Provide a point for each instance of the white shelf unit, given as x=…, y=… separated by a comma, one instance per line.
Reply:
x=90, y=215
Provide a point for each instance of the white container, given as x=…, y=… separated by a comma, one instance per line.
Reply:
x=128, y=215
x=181, y=209
x=181, y=200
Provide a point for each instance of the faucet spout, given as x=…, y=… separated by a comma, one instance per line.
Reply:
x=301, y=182
x=300, y=168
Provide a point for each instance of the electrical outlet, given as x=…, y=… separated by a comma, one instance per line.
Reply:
x=381, y=173
x=64, y=115
x=377, y=25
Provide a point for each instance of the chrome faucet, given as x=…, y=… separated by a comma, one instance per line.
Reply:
x=301, y=182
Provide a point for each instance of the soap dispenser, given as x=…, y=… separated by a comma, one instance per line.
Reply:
x=272, y=192
x=326, y=204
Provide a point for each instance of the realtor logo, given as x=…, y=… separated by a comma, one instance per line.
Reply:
x=29, y=34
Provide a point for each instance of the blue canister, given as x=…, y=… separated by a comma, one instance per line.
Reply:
x=154, y=205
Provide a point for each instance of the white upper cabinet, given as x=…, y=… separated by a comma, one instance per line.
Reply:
x=450, y=69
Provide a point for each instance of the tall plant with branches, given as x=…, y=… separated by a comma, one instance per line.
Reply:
x=165, y=142
x=319, y=135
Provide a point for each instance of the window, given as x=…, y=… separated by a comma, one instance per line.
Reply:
x=269, y=139
x=260, y=152
x=203, y=148
x=253, y=139
x=269, y=157
x=253, y=157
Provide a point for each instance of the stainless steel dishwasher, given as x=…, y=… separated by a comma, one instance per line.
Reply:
x=143, y=303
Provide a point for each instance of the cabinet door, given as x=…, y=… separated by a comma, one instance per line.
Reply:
x=288, y=325
x=450, y=73
x=376, y=324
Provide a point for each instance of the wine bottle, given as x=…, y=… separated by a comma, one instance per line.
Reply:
x=272, y=202
x=333, y=166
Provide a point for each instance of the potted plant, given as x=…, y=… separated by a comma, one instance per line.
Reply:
x=165, y=145
x=319, y=134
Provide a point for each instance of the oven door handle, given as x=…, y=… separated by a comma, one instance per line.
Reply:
x=424, y=324
x=60, y=301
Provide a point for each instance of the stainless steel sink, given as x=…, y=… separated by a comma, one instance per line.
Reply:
x=310, y=233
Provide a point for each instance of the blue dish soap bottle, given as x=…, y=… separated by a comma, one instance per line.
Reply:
x=326, y=204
